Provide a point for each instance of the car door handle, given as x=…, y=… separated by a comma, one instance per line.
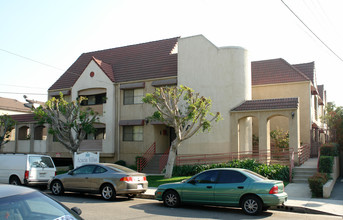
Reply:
x=240, y=187
x=209, y=187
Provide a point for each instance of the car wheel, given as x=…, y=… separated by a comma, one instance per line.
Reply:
x=57, y=188
x=108, y=192
x=252, y=205
x=171, y=199
x=15, y=181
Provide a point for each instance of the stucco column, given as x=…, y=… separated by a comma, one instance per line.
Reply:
x=264, y=139
x=245, y=135
x=294, y=133
x=234, y=133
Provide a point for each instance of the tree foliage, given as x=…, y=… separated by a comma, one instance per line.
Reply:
x=6, y=126
x=333, y=117
x=280, y=138
x=184, y=110
x=69, y=122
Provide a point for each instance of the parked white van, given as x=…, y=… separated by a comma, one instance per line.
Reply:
x=26, y=169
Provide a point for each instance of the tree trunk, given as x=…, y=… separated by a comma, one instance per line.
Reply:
x=171, y=159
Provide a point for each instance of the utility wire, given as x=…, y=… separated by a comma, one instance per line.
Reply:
x=24, y=93
x=312, y=31
x=27, y=58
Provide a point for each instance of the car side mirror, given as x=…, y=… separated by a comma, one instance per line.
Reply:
x=70, y=172
x=76, y=210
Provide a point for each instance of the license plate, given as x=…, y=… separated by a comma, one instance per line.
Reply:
x=42, y=174
x=139, y=186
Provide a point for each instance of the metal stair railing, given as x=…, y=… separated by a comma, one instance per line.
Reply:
x=143, y=160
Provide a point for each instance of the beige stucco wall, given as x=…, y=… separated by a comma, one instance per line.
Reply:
x=287, y=90
x=222, y=74
x=152, y=133
x=100, y=80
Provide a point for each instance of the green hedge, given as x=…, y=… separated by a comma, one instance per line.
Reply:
x=316, y=183
x=326, y=164
x=274, y=171
x=329, y=150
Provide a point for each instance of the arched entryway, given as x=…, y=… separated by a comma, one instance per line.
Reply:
x=264, y=111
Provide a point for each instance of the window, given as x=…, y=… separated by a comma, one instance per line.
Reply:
x=99, y=170
x=99, y=134
x=94, y=99
x=206, y=177
x=231, y=176
x=84, y=170
x=132, y=133
x=133, y=96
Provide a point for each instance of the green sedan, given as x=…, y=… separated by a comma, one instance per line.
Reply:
x=225, y=187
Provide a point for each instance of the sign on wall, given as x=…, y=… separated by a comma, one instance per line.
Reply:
x=85, y=158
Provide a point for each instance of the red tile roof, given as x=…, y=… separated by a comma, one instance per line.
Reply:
x=12, y=105
x=129, y=63
x=275, y=71
x=307, y=69
x=268, y=104
x=24, y=118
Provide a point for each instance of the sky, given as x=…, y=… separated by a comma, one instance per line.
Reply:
x=40, y=39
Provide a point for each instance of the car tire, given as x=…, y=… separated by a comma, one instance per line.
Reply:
x=108, y=192
x=252, y=205
x=15, y=181
x=56, y=188
x=171, y=199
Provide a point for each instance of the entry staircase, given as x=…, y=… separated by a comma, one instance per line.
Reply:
x=153, y=167
x=306, y=170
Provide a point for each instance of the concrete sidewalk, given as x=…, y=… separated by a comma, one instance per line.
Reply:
x=299, y=199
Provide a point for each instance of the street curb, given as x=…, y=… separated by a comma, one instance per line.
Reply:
x=285, y=208
x=300, y=209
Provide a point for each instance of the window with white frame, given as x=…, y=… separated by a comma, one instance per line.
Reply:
x=133, y=96
x=132, y=133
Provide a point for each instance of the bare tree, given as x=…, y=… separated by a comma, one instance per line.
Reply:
x=183, y=110
x=69, y=122
x=6, y=126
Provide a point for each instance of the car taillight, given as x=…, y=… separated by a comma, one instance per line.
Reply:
x=26, y=176
x=274, y=190
x=144, y=178
x=126, y=179
x=55, y=173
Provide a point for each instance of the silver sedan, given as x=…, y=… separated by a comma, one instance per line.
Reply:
x=107, y=179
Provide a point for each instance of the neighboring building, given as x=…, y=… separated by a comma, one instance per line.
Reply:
x=277, y=78
x=12, y=107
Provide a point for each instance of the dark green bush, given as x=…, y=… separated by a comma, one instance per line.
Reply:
x=316, y=183
x=121, y=162
x=326, y=164
x=329, y=150
x=275, y=171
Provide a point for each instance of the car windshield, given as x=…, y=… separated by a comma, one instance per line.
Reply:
x=119, y=168
x=33, y=205
x=254, y=176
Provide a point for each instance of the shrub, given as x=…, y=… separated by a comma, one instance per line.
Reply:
x=275, y=171
x=325, y=164
x=316, y=183
x=329, y=150
x=121, y=162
